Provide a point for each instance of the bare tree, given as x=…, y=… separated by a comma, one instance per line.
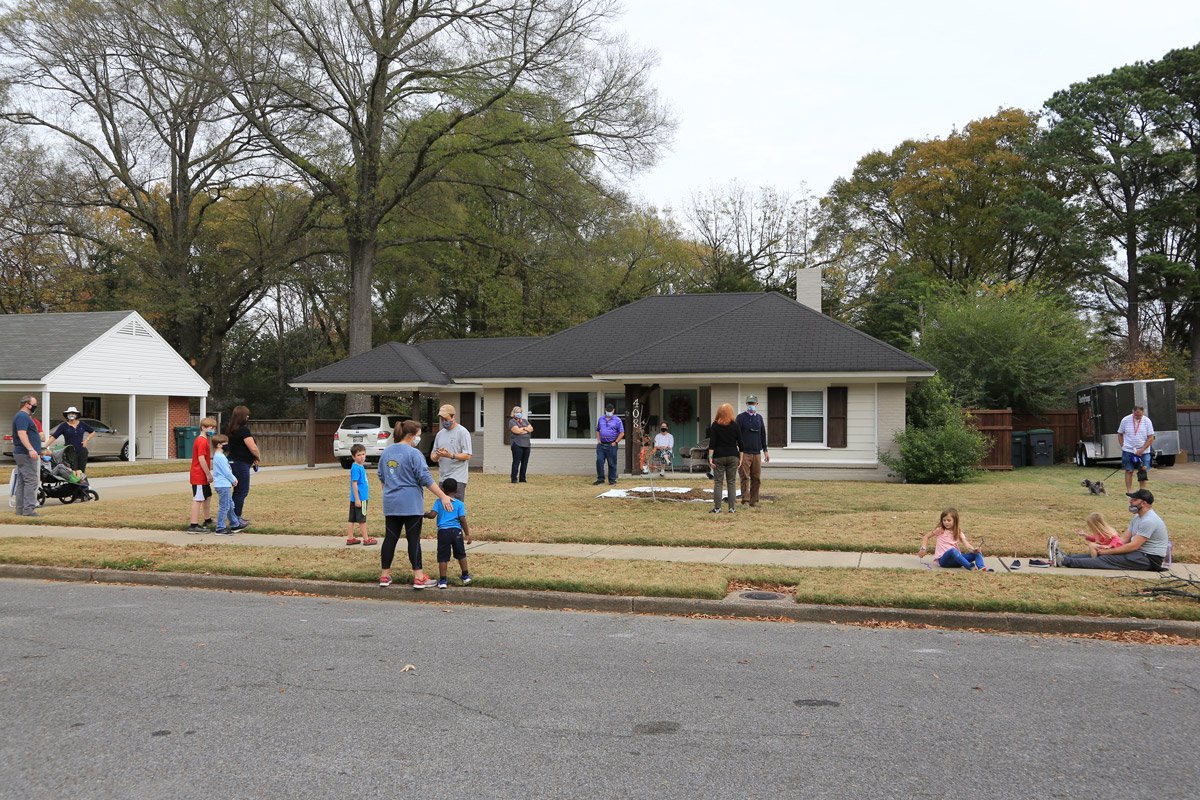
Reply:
x=153, y=140
x=371, y=102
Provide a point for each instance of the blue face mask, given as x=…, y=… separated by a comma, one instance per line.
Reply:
x=751, y=408
x=46, y=459
x=447, y=424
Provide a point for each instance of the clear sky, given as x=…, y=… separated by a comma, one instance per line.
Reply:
x=790, y=93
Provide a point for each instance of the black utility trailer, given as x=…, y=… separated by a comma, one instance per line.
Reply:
x=1102, y=406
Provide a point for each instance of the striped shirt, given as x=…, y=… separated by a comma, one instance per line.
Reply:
x=1135, y=433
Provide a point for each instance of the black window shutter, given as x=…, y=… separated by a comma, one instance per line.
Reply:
x=835, y=416
x=777, y=434
x=466, y=410
x=512, y=399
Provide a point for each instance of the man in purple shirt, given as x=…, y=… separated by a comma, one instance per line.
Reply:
x=609, y=433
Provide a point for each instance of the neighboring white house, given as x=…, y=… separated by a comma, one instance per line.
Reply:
x=112, y=365
x=833, y=396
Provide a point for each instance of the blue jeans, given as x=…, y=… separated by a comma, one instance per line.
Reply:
x=520, y=462
x=953, y=558
x=241, y=471
x=606, y=454
x=225, y=516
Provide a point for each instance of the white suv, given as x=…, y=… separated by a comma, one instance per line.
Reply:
x=374, y=432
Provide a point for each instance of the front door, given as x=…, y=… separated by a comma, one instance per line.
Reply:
x=680, y=413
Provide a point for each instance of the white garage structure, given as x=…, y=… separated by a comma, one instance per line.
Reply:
x=112, y=365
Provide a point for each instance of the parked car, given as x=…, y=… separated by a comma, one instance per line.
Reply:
x=373, y=431
x=107, y=443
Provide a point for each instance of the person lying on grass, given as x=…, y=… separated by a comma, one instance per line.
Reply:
x=951, y=548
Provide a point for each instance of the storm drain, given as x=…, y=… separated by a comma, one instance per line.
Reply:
x=760, y=596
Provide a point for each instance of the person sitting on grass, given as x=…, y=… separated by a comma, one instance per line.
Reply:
x=452, y=528
x=1143, y=547
x=359, y=492
x=951, y=548
x=1099, y=534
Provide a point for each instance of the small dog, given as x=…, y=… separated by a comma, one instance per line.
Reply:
x=1095, y=487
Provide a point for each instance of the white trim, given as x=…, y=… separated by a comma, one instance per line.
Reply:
x=372, y=388
x=547, y=379
x=764, y=377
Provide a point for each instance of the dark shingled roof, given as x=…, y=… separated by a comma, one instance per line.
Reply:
x=784, y=337
x=683, y=334
x=435, y=362
x=34, y=345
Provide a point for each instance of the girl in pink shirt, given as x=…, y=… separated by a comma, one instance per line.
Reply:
x=1100, y=534
x=951, y=548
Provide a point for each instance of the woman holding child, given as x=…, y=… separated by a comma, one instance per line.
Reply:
x=403, y=473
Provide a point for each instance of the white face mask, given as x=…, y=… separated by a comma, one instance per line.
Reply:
x=608, y=414
x=416, y=440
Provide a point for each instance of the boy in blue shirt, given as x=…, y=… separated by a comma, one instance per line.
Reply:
x=452, y=528
x=359, y=492
x=223, y=482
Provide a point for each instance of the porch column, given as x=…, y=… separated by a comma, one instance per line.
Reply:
x=310, y=429
x=44, y=403
x=131, y=428
x=203, y=406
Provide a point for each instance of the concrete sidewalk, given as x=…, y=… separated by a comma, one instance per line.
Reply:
x=696, y=555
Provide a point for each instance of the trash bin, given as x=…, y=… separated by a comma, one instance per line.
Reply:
x=1020, y=442
x=184, y=438
x=1041, y=447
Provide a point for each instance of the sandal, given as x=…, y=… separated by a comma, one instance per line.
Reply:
x=370, y=540
x=353, y=540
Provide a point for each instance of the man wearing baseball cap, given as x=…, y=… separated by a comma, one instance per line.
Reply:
x=452, y=450
x=1145, y=545
x=753, y=427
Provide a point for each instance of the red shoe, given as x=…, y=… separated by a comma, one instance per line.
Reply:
x=354, y=540
x=370, y=540
x=425, y=583
x=385, y=581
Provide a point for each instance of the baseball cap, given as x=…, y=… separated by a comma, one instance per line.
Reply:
x=1141, y=494
x=446, y=411
x=751, y=398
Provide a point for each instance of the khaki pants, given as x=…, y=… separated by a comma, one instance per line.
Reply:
x=750, y=474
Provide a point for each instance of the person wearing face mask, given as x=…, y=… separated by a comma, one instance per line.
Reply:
x=1145, y=542
x=664, y=448
x=452, y=451
x=519, y=430
x=403, y=474
x=753, y=428
x=609, y=433
x=201, y=477
x=27, y=446
x=76, y=433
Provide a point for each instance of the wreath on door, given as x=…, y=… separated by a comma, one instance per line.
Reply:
x=680, y=409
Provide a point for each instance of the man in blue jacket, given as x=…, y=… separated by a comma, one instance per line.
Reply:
x=754, y=451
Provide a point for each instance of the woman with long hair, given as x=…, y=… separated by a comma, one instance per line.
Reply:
x=724, y=455
x=243, y=456
x=403, y=473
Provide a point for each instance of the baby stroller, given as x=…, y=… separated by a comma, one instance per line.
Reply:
x=58, y=480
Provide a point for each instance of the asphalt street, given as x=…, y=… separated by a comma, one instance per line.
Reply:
x=138, y=692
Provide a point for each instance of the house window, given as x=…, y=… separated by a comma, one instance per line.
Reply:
x=575, y=415
x=91, y=407
x=537, y=408
x=618, y=400
x=479, y=411
x=807, y=418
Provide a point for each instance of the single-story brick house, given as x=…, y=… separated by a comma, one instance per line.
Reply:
x=833, y=396
x=111, y=365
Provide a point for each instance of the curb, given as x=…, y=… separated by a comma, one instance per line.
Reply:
x=575, y=601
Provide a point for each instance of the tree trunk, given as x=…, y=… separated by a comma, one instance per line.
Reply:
x=1133, y=309
x=362, y=251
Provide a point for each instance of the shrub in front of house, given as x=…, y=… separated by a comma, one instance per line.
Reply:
x=937, y=446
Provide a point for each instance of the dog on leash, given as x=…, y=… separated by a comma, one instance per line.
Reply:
x=1094, y=487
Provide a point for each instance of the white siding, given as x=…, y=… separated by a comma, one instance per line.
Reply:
x=129, y=359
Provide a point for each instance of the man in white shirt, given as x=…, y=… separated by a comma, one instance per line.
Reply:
x=1136, y=435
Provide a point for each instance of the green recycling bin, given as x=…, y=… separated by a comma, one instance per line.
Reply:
x=185, y=437
x=1020, y=442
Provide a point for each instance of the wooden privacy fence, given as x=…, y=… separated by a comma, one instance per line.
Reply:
x=1189, y=430
x=282, y=441
x=996, y=426
x=1064, y=423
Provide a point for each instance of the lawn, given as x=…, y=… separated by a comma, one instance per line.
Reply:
x=948, y=589
x=1013, y=512
x=111, y=469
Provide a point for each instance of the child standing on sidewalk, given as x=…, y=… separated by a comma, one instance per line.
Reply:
x=223, y=482
x=201, y=477
x=452, y=528
x=359, y=492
